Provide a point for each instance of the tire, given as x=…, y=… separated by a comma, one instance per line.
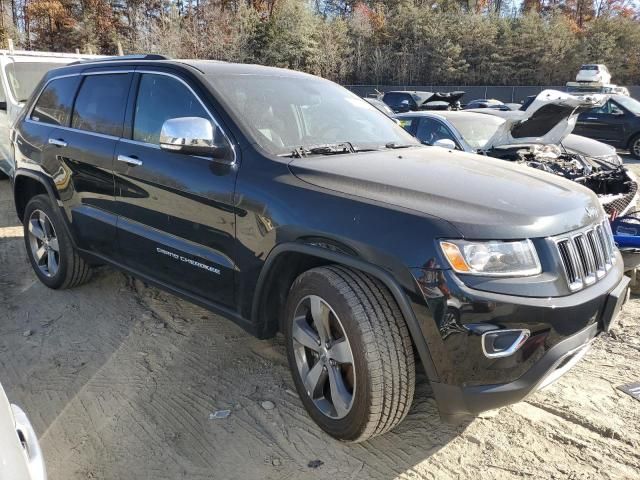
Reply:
x=634, y=147
x=57, y=269
x=635, y=289
x=381, y=375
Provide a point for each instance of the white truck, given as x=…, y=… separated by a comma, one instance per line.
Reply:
x=20, y=72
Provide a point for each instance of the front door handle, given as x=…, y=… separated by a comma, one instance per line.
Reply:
x=129, y=160
x=58, y=142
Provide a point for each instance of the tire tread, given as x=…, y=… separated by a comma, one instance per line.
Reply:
x=387, y=346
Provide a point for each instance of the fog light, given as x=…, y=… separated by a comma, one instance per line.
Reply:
x=502, y=343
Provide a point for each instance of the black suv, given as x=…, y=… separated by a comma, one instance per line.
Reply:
x=617, y=123
x=289, y=204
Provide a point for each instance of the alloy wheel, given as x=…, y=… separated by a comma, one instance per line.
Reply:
x=635, y=148
x=43, y=241
x=323, y=356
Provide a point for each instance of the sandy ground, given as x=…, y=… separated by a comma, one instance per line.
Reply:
x=120, y=380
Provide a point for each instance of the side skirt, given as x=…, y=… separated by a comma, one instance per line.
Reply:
x=213, y=307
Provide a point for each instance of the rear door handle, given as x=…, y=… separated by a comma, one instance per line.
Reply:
x=129, y=160
x=58, y=142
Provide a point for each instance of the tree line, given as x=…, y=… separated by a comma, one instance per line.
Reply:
x=404, y=42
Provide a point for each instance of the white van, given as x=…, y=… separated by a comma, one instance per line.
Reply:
x=20, y=73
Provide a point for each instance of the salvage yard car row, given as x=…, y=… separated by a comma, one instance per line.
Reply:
x=288, y=204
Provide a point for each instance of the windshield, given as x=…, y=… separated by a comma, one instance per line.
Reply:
x=284, y=113
x=629, y=103
x=476, y=132
x=589, y=67
x=24, y=77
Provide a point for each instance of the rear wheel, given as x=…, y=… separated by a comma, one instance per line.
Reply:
x=350, y=352
x=634, y=146
x=53, y=257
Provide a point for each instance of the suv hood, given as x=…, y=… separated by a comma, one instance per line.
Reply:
x=483, y=198
x=547, y=120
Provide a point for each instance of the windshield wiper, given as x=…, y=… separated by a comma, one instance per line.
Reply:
x=395, y=145
x=328, y=149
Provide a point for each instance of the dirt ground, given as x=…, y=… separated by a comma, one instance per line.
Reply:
x=120, y=381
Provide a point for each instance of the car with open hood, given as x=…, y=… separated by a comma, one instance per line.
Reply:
x=406, y=101
x=539, y=137
x=289, y=204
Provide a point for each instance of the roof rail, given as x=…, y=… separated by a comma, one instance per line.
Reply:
x=147, y=56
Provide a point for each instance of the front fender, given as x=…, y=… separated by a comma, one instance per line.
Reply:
x=399, y=292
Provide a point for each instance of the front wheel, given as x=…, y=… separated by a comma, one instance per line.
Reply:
x=350, y=352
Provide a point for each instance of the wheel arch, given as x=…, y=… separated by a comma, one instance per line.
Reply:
x=632, y=138
x=26, y=185
x=288, y=260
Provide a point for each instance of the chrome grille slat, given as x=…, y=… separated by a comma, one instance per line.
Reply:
x=597, y=252
x=586, y=255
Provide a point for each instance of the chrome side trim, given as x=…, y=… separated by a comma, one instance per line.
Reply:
x=555, y=373
x=77, y=130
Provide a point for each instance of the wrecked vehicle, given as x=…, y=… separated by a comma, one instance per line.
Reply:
x=539, y=137
x=410, y=101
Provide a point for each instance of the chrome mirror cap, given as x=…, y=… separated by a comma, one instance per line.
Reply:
x=191, y=135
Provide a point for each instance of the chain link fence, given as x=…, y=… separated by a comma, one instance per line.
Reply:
x=507, y=94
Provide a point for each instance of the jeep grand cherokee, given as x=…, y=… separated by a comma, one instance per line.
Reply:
x=288, y=204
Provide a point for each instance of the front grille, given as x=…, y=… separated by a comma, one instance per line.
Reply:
x=586, y=255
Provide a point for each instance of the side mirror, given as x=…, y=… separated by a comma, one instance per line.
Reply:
x=192, y=136
x=445, y=143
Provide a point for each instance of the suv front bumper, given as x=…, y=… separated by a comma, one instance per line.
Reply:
x=459, y=402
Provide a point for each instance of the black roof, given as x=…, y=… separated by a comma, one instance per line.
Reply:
x=206, y=67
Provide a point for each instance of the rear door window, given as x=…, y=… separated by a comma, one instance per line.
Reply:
x=101, y=103
x=54, y=103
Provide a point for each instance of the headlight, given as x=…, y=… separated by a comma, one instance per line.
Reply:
x=493, y=258
x=613, y=159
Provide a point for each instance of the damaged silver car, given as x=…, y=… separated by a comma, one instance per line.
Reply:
x=539, y=137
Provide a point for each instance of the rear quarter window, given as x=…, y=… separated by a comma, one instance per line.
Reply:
x=54, y=103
